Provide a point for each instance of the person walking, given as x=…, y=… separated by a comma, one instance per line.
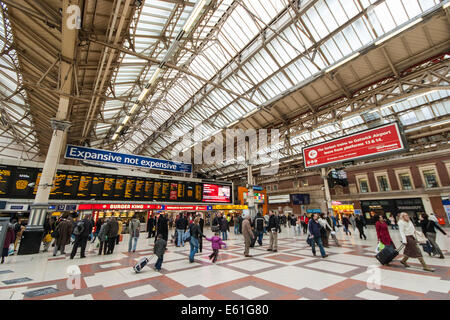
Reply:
x=159, y=249
x=352, y=220
x=135, y=229
x=47, y=239
x=346, y=222
x=102, y=237
x=201, y=224
x=112, y=233
x=325, y=229
x=20, y=228
x=429, y=230
x=119, y=232
x=82, y=230
x=62, y=235
x=259, y=227
x=315, y=235
x=98, y=226
x=196, y=234
x=240, y=220
x=293, y=225
x=223, y=223
x=304, y=222
x=360, y=226
x=432, y=217
x=180, y=226
x=274, y=228
x=9, y=238
x=216, y=245
x=407, y=233
x=382, y=230
x=162, y=227
x=236, y=225
x=248, y=235
x=151, y=227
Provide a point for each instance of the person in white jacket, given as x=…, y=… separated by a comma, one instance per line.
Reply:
x=407, y=233
x=326, y=229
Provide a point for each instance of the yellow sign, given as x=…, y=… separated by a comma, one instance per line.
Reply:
x=229, y=207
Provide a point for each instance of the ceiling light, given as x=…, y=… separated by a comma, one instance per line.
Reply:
x=393, y=34
x=353, y=56
x=119, y=129
x=115, y=136
x=154, y=76
x=134, y=108
x=126, y=120
x=194, y=15
x=143, y=94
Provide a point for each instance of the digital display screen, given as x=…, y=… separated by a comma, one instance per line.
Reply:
x=5, y=177
x=165, y=191
x=58, y=185
x=198, y=192
x=190, y=189
x=119, y=188
x=21, y=178
x=84, y=187
x=173, y=191
x=181, y=191
x=148, y=190
x=300, y=198
x=139, y=189
x=216, y=193
x=97, y=186
x=38, y=180
x=157, y=190
x=108, y=187
x=71, y=185
x=129, y=188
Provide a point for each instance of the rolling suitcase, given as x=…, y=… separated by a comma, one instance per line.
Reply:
x=140, y=265
x=388, y=254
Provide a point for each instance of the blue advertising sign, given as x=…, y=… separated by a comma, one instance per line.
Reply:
x=313, y=211
x=91, y=154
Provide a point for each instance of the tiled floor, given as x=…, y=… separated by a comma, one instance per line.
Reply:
x=350, y=272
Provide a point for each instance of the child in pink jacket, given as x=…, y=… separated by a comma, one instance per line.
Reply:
x=216, y=243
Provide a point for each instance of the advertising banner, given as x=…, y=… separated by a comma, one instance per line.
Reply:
x=216, y=193
x=114, y=206
x=363, y=144
x=91, y=154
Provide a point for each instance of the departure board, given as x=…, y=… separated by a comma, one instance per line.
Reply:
x=58, y=185
x=71, y=185
x=198, y=192
x=157, y=190
x=139, y=189
x=38, y=180
x=148, y=190
x=129, y=188
x=84, y=187
x=108, y=187
x=165, y=191
x=173, y=195
x=98, y=182
x=5, y=178
x=180, y=191
x=21, y=178
x=119, y=188
x=190, y=189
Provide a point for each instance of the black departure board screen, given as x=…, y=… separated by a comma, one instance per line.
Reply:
x=119, y=188
x=38, y=180
x=180, y=191
x=58, y=185
x=139, y=189
x=98, y=182
x=20, y=179
x=173, y=195
x=5, y=178
x=165, y=191
x=148, y=190
x=71, y=185
x=198, y=192
x=129, y=188
x=157, y=186
x=84, y=187
x=108, y=187
x=190, y=190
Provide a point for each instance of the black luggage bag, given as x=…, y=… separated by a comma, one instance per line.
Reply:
x=388, y=254
x=140, y=265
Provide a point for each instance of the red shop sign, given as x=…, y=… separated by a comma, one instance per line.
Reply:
x=114, y=206
x=187, y=208
x=363, y=144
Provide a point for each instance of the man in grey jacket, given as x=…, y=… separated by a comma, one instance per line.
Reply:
x=135, y=226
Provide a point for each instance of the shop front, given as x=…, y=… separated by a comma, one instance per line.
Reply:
x=342, y=207
x=387, y=207
x=17, y=211
x=228, y=210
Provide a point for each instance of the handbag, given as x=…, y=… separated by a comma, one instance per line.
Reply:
x=420, y=237
x=380, y=247
x=47, y=238
x=11, y=249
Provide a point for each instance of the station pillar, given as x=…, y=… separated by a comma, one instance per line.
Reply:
x=327, y=192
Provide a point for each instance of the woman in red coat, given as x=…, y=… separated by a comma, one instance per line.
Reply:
x=383, y=232
x=9, y=238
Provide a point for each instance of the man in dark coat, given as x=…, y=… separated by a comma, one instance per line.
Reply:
x=64, y=230
x=201, y=224
x=81, y=239
x=150, y=226
x=112, y=232
x=315, y=235
x=162, y=227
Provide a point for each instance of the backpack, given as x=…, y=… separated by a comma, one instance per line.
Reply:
x=259, y=223
x=79, y=228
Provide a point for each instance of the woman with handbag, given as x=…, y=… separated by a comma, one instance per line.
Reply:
x=429, y=230
x=409, y=239
x=383, y=232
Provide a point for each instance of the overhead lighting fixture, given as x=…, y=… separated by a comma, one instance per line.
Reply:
x=393, y=34
x=134, y=108
x=143, y=94
x=233, y=123
x=154, y=76
x=194, y=15
x=353, y=56
x=119, y=129
x=126, y=120
x=115, y=136
x=440, y=124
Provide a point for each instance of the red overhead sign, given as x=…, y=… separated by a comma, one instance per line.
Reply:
x=376, y=141
x=186, y=208
x=114, y=206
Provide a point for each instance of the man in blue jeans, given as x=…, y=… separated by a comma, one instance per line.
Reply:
x=259, y=227
x=134, y=227
x=315, y=236
x=181, y=225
